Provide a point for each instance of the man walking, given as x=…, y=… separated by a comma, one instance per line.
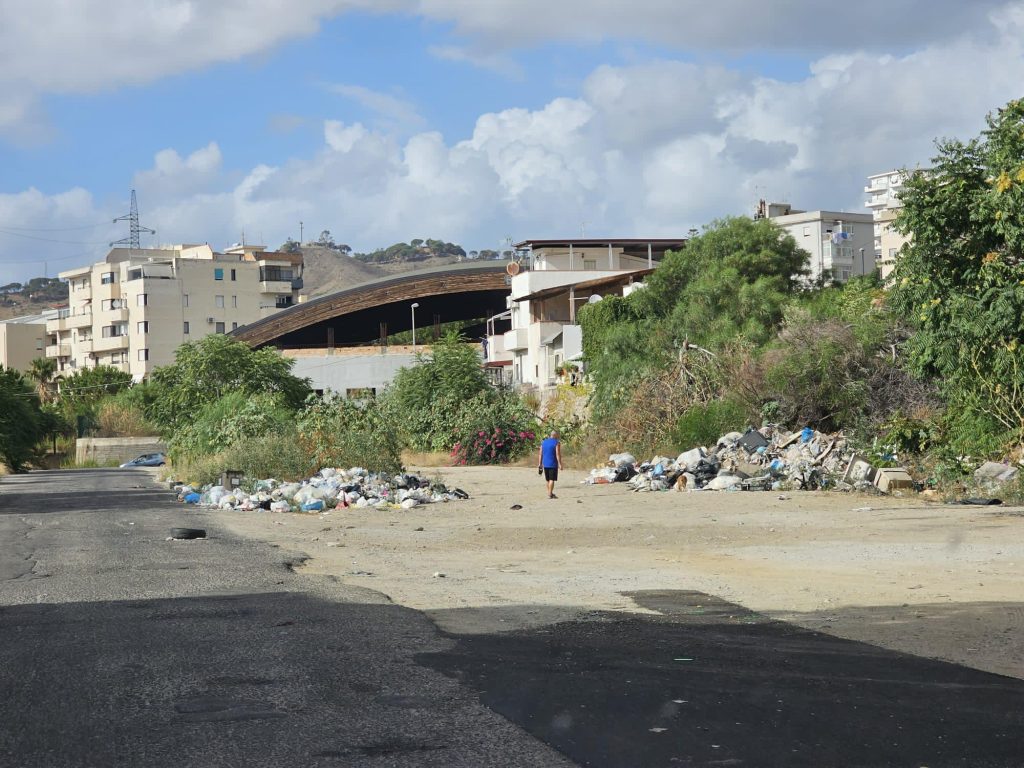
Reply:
x=549, y=461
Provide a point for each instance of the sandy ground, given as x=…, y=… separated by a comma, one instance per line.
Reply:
x=940, y=581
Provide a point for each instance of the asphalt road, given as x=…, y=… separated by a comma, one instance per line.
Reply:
x=120, y=648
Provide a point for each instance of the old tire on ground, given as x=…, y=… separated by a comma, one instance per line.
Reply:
x=188, y=533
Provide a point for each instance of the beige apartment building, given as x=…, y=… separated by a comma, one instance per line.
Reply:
x=883, y=191
x=23, y=339
x=136, y=307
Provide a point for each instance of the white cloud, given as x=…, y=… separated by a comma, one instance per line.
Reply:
x=392, y=111
x=495, y=62
x=55, y=46
x=645, y=150
x=739, y=25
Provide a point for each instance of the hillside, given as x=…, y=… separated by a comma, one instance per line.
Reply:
x=327, y=271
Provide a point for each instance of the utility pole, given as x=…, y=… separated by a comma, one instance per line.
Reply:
x=300, y=233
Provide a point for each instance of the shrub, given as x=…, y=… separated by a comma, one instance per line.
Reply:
x=119, y=416
x=494, y=428
x=704, y=423
x=336, y=432
x=20, y=420
x=224, y=422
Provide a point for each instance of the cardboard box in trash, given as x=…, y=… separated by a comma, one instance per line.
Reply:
x=889, y=480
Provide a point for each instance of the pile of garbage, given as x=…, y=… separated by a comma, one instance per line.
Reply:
x=766, y=459
x=328, y=489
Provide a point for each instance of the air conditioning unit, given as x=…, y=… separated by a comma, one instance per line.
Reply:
x=211, y=320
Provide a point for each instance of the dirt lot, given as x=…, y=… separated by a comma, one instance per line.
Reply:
x=923, y=578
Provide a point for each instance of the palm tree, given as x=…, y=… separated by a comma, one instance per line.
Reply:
x=41, y=370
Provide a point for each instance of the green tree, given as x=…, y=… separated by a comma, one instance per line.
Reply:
x=731, y=283
x=960, y=280
x=205, y=371
x=90, y=385
x=42, y=370
x=21, y=425
x=428, y=399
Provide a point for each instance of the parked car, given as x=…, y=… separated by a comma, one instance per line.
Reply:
x=147, y=460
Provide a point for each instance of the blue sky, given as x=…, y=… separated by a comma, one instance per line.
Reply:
x=468, y=121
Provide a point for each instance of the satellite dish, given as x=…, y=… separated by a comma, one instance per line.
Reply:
x=512, y=268
x=594, y=299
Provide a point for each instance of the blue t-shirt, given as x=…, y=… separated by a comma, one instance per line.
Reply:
x=547, y=451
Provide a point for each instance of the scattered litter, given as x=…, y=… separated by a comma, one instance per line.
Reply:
x=329, y=489
x=657, y=730
x=978, y=501
x=516, y=506
x=766, y=459
x=992, y=475
x=438, y=575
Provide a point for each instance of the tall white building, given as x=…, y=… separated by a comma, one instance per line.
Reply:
x=883, y=191
x=840, y=243
x=133, y=309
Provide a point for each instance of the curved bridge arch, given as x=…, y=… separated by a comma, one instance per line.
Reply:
x=355, y=315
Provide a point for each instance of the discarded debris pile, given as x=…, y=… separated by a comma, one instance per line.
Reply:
x=328, y=489
x=768, y=459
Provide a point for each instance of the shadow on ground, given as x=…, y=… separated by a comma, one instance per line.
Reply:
x=239, y=680
x=708, y=683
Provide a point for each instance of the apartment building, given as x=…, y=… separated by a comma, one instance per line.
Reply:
x=547, y=289
x=841, y=244
x=133, y=309
x=23, y=339
x=883, y=190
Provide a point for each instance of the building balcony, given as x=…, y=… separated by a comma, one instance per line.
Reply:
x=275, y=286
x=110, y=343
x=109, y=316
x=58, y=350
x=81, y=320
x=106, y=291
x=516, y=340
x=84, y=346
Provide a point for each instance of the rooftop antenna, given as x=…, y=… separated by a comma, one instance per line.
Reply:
x=134, y=228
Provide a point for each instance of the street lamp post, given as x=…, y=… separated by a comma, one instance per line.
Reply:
x=862, y=262
x=414, y=305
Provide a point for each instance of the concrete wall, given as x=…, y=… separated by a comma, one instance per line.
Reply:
x=105, y=450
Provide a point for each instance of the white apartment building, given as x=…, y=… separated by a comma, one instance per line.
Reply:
x=840, y=243
x=557, y=276
x=23, y=339
x=883, y=191
x=136, y=307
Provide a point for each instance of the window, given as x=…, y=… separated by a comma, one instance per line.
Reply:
x=844, y=274
x=142, y=300
x=218, y=301
x=892, y=253
x=143, y=355
x=234, y=275
x=807, y=231
x=107, y=278
x=186, y=327
x=184, y=299
x=218, y=274
x=142, y=326
x=234, y=302
x=234, y=326
x=590, y=264
x=219, y=328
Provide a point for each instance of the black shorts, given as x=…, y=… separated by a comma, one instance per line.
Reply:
x=550, y=473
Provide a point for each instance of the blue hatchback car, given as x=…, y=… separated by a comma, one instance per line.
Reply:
x=147, y=460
